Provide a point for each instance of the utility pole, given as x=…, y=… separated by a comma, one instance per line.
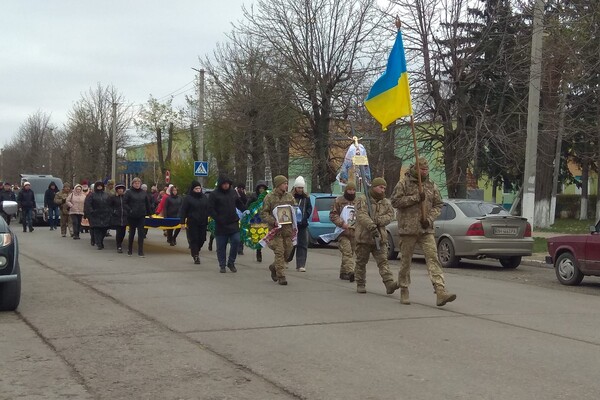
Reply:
x=533, y=114
x=559, y=137
x=113, y=167
x=200, y=116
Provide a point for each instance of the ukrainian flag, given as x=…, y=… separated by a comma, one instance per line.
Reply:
x=389, y=98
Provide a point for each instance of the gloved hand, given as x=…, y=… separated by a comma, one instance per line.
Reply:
x=373, y=229
x=425, y=224
x=421, y=197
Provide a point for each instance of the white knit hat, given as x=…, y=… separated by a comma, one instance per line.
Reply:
x=299, y=182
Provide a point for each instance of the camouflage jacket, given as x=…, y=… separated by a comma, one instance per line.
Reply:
x=382, y=213
x=336, y=212
x=272, y=200
x=406, y=200
x=60, y=199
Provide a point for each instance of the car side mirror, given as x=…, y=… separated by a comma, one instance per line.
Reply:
x=10, y=207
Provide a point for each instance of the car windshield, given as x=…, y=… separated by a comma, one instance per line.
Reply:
x=474, y=209
x=324, y=203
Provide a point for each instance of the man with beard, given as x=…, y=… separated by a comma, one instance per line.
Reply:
x=414, y=228
x=343, y=206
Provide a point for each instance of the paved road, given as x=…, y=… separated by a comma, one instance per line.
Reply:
x=99, y=325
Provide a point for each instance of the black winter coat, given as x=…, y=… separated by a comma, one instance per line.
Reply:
x=100, y=210
x=138, y=203
x=222, y=208
x=119, y=211
x=172, y=206
x=26, y=199
x=194, y=208
x=49, y=196
x=303, y=203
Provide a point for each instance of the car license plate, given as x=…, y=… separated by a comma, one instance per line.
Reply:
x=506, y=230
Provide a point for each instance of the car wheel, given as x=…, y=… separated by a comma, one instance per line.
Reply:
x=446, y=254
x=10, y=293
x=567, y=270
x=510, y=262
x=392, y=254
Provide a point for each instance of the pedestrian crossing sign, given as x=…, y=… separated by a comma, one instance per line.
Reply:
x=200, y=168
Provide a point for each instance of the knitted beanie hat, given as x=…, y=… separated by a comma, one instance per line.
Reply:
x=279, y=180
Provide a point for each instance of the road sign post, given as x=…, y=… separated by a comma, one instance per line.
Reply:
x=200, y=168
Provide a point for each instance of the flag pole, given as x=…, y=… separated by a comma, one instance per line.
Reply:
x=414, y=136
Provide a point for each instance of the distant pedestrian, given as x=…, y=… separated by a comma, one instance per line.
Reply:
x=100, y=213
x=194, y=217
x=6, y=194
x=50, y=207
x=26, y=200
x=120, y=213
x=222, y=204
x=76, y=203
x=172, y=207
x=415, y=228
x=240, y=189
x=304, y=208
x=60, y=199
x=138, y=204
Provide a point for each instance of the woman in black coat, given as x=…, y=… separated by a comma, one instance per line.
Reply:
x=138, y=205
x=119, y=215
x=172, y=207
x=194, y=213
x=99, y=213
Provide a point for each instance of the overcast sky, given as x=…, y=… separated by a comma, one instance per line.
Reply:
x=51, y=51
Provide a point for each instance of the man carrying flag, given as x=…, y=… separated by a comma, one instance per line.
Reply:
x=416, y=207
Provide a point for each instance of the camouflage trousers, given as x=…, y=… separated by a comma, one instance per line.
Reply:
x=65, y=221
x=347, y=246
x=434, y=268
x=282, y=248
x=363, y=251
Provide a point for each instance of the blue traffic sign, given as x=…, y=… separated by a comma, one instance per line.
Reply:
x=200, y=168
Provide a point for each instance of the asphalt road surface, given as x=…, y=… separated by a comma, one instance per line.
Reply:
x=101, y=325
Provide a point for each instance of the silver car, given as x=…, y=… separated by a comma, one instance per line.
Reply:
x=474, y=229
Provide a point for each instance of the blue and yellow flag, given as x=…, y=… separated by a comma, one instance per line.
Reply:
x=389, y=98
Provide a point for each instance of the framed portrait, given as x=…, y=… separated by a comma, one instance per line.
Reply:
x=349, y=215
x=284, y=215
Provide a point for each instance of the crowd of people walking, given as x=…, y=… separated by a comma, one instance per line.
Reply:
x=361, y=222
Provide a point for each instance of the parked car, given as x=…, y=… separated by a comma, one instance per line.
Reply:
x=319, y=223
x=10, y=273
x=575, y=256
x=474, y=229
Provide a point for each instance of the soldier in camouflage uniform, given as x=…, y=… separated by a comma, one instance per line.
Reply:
x=370, y=227
x=346, y=240
x=414, y=229
x=281, y=244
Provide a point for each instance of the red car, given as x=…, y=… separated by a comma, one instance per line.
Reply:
x=575, y=256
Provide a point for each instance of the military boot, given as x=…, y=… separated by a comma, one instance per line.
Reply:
x=273, y=272
x=443, y=297
x=344, y=276
x=404, y=299
x=361, y=289
x=282, y=281
x=391, y=286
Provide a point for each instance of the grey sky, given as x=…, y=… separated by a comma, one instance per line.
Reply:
x=51, y=51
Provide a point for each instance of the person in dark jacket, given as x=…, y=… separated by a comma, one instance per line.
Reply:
x=99, y=213
x=119, y=215
x=222, y=205
x=138, y=205
x=51, y=206
x=304, y=211
x=172, y=207
x=194, y=214
x=6, y=194
x=261, y=187
x=240, y=190
x=26, y=200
